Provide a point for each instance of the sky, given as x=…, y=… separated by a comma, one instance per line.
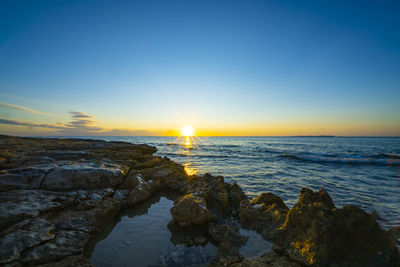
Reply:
x=252, y=68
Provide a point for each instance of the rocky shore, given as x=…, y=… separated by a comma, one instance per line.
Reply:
x=56, y=195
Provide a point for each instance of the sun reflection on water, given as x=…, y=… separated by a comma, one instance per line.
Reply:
x=187, y=146
x=189, y=169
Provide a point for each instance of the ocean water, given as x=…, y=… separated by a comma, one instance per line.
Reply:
x=361, y=171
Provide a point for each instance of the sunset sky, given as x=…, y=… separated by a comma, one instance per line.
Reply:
x=224, y=67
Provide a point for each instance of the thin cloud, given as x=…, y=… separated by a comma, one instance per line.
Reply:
x=22, y=108
x=81, y=124
x=31, y=124
x=76, y=114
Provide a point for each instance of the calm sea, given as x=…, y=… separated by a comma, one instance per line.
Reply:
x=360, y=171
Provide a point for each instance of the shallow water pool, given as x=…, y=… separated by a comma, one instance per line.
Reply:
x=140, y=237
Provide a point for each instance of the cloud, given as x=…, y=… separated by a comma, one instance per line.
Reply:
x=82, y=124
x=30, y=124
x=22, y=108
x=76, y=114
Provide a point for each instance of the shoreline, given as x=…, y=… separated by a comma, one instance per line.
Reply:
x=60, y=193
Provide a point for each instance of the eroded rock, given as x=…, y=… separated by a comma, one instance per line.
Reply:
x=190, y=210
x=26, y=234
x=317, y=233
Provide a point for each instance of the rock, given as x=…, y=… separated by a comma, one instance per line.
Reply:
x=317, y=233
x=131, y=180
x=104, y=212
x=265, y=214
x=23, y=178
x=236, y=195
x=215, y=192
x=268, y=201
x=270, y=258
x=74, y=220
x=91, y=199
x=65, y=243
x=190, y=210
x=122, y=195
x=308, y=197
x=272, y=206
x=18, y=205
x=83, y=176
x=29, y=233
x=229, y=241
x=70, y=261
x=140, y=192
x=189, y=236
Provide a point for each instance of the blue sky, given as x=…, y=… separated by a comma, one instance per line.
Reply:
x=225, y=67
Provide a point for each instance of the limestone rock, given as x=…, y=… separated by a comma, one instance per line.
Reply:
x=317, y=233
x=83, y=176
x=23, y=178
x=18, y=205
x=190, y=210
x=29, y=233
x=229, y=241
x=270, y=259
x=70, y=261
x=265, y=214
x=65, y=243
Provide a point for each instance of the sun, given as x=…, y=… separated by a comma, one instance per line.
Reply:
x=187, y=131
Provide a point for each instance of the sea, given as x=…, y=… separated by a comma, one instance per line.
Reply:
x=363, y=171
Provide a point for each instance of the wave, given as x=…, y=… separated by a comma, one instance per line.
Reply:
x=387, y=156
x=378, y=159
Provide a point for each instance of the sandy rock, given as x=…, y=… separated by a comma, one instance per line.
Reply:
x=190, y=210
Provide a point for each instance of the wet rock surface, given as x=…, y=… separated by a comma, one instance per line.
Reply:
x=58, y=194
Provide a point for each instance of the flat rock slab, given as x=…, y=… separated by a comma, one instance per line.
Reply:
x=23, y=178
x=83, y=176
x=18, y=205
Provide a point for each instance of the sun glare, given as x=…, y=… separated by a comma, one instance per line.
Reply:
x=187, y=131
